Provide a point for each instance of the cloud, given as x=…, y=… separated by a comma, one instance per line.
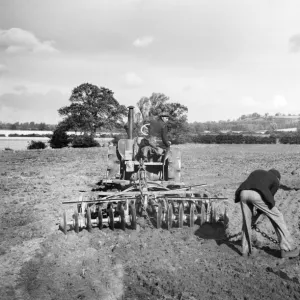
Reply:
x=143, y=41
x=250, y=102
x=279, y=101
x=20, y=88
x=186, y=88
x=133, y=79
x=17, y=40
x=27, y=107
x=3, y=69
x=294, y=43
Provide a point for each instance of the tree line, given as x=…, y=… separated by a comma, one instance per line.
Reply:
x=94, y=109
x=27, y=126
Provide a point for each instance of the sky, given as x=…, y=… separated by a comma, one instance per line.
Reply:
x=220, y=58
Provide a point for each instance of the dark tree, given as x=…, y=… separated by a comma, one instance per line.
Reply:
x=92, y=108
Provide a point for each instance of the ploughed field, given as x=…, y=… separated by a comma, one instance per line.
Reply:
x=37, y=261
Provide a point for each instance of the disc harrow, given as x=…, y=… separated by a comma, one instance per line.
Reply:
x=165, y=206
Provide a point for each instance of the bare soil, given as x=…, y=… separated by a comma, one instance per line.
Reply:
x=37, y=261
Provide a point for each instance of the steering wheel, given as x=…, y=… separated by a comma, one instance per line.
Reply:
x=145, y=129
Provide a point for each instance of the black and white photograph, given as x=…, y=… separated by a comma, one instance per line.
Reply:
x=149, y=150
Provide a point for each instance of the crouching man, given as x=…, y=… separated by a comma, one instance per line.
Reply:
x=258, y=191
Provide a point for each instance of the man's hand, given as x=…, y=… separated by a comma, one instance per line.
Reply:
x=256, y=218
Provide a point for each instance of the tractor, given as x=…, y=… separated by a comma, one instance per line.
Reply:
x=149, y=189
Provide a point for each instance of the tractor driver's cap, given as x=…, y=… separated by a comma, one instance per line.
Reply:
x=165, y=114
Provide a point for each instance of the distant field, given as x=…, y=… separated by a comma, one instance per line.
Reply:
x=21, y=143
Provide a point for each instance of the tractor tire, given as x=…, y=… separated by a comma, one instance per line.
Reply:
x=113, y=166
x=174, y=165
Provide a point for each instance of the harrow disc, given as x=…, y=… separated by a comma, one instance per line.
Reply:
x=208, y=212
x=132, y=214
x=100, y=218
x=170, y=216
x=64, y=223
x=213, y=212
x=159, y=216
x=192, y=215
x=180, y=215
x=203, y=214
x=111, y=218
x=226, y=218
x=88, y=219
x=122, y=217
x=76, y=222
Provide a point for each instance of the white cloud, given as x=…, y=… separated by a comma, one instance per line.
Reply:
x=3, y=69
x=133, y=79
x=143, y=41
x=294, y=43
x=20, y=88
x=17, y=40
x=279, y=101
x=250, y=102
x=26, y=106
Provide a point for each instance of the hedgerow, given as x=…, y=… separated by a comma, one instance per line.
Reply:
x=36, y=145
x=233, y=139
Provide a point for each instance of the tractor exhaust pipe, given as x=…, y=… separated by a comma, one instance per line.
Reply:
x=130, y=122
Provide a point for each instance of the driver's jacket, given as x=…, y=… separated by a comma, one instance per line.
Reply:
x=158, y=129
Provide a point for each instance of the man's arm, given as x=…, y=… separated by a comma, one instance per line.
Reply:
x=274, y=187
x=164, y=136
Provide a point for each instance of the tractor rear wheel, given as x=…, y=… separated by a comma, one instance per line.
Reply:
x=174, y=165
x=113, y=166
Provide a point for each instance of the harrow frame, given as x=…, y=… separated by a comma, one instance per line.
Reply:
x=163, y=203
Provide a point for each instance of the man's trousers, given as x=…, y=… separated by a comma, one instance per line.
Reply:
x=250, y=199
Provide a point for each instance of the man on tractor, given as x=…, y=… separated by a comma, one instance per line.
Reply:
x=156, y=143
